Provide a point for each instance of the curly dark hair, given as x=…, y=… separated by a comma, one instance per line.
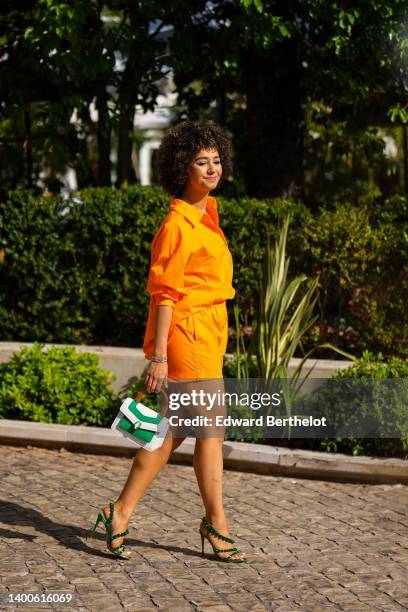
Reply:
x=179, y=146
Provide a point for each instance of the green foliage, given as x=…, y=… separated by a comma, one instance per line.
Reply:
x=59, y=385
x=59, y=57
x=230, y=368
x=243, y=433
x=360, y=254
x=55, y=386
x=74, y=270
x=285, y=314
x=382, y=405
x=349, y=76
x=372, y=365
x=248, y=222
x=344, y=161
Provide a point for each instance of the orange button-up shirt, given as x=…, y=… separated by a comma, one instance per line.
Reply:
x=190, y=267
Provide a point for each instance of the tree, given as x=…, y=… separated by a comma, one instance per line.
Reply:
x=278, y=59
x=57, y=58
x=265, y=69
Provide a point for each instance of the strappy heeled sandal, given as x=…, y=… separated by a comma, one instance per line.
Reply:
x=119, y=551
x=234, y=551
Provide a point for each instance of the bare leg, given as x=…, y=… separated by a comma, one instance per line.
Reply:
x=208, y=466
x=146, y=465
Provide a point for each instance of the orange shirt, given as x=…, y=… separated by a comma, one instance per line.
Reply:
x=190, y=267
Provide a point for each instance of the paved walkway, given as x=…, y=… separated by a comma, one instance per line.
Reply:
x=312, y=545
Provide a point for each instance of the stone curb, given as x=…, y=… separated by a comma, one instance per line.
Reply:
x=258, y=458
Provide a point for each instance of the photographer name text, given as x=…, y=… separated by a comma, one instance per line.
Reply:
x=260, y=421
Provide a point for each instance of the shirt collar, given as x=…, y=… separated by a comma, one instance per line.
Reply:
x=191, y=213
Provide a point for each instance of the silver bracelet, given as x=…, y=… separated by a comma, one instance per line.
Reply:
x=159, y=359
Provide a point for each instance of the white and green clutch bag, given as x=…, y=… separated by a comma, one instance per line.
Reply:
x=140, y=424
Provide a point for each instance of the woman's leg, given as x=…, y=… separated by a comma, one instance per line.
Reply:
x=146, y=465
x=197, y=356
x=208, y=467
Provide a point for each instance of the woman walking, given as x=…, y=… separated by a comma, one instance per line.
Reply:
x=186, y=335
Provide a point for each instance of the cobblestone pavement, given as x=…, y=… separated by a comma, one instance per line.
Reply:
x=311, y=545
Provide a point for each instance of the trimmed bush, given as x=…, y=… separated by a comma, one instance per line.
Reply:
x=380, y=405
x=361, y=255
x=74, y=270
x=56, y=386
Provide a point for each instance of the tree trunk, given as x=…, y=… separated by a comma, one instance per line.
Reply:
x=104, y=141
x=125, y=134
x=275, y=122
x=82, y=164
x=27, y=149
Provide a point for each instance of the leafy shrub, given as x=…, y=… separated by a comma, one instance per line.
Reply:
x=231, y=363
x=74, y=270
x=62, y=386
x=380, y=405
x=247, y=223
x=361, y=254
x=56, y=386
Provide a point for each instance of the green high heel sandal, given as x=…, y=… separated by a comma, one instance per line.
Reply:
x=233, y=551
x=119, y=551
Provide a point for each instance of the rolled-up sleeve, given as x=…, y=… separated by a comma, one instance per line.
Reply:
x=168, y=259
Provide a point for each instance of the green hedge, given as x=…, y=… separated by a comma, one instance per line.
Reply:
x=382, y=405
x=56, y=386
x=59, y=385
x=362, y=396
x=75, y=270
x=361, y=254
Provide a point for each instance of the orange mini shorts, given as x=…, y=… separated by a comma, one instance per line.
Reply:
x=198, y=343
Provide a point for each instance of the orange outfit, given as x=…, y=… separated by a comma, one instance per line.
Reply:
x=191, y=270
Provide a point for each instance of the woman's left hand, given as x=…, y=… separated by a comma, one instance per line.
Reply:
x=156, y=377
